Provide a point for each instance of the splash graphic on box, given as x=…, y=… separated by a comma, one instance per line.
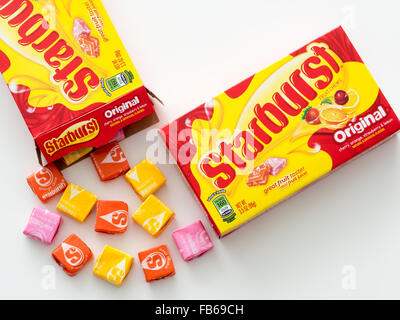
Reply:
x=279, y=130
x=65, y=66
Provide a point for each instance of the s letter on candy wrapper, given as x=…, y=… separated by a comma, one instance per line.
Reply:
x=72, y=255
x=110, y=161
x=112, y=217
x=42, y=225
x=153, y=215
x=76, y=202
x=145, y=178
x=47, y=182
x=156, y=263
x=113, y=265
x=192, y=241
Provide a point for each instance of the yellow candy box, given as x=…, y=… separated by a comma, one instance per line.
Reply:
x=69, y=73
x=280, y=130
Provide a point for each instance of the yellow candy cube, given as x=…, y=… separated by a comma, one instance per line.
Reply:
x=76, y=202
x=153, y=215
x=74, y=156
x=113, y=265
x=145, y=178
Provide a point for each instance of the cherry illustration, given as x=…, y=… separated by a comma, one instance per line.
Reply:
x=341, y=97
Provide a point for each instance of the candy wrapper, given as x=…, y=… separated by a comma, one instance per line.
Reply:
x=192, y=241
x=76, y=202
x=42, y=225
x=112, y=217
x=47, y=182
x=113, y=265
x=156, y=263
x=153, y=216
x=145, y=178
x=72, y=255
x=76, y=155
x=280, y=130
x=110, y=161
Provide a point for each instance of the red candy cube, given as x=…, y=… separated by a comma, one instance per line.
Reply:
x=110, y=161
x=47, y=182
x=156, y=263
x=112, y=217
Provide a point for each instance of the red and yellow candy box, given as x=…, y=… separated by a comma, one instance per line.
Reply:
x=279, y=130
x=69, y=73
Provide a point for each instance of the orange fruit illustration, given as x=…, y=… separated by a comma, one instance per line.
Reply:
x=333, y=116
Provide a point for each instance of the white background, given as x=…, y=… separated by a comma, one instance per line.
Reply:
x=337, y=239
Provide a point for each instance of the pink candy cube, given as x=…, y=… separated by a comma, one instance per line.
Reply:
x=276, y=165
x=192, y=241
x=119, y=136
x=42, y=225
x=80, y=27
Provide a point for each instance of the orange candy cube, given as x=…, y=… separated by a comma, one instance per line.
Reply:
x=47, y=182
x=112, y=217
x=110, y=161
x=72, y=255
x=156, y=263
x=90, y=45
